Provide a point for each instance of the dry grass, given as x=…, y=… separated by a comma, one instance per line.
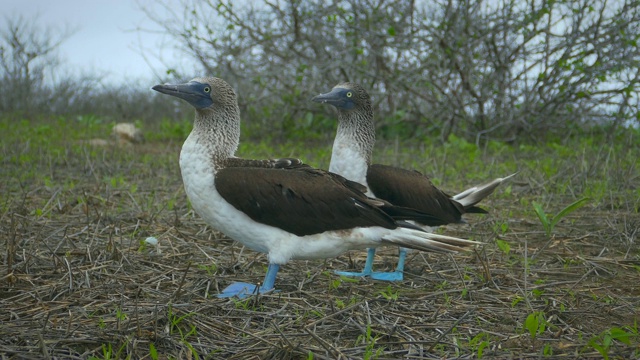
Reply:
x=78, y=281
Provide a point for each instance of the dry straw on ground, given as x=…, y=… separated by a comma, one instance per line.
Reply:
x=78, y=280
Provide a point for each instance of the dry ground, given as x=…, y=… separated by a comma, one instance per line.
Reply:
x=78, y=281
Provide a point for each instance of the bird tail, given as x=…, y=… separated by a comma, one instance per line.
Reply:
x=424, y=241
x=472, y=196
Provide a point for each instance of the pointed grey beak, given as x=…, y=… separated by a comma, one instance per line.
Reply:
x=320, y=98
x=324, y=98
x=335, y=97
x=192, y=92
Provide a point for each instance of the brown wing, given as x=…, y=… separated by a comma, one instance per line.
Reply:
x=282, y=163
x=413, y=190
x=302, y=201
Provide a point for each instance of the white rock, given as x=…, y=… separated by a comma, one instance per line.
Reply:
x=127, y=132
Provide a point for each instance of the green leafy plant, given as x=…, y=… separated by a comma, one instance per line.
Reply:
x=243, y=304
x=550, y=223
x=153, y=352
x=120, y=315
x=341, y=304
x=108, y=352
x=210, y=269
x=535, y=324
x=335, y=283
x=176, y=321
x=503, y=246
x=370, y=351
x=602, y=343
x=537, y=293
x=501, y=227
x=479, y=343
x=389, y=294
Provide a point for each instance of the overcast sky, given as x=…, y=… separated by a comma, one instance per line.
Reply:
x=106, y=40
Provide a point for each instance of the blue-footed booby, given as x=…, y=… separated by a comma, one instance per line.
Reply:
x=281, y=207
x=351, y=158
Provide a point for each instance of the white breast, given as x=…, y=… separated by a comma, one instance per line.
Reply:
x=347, y=160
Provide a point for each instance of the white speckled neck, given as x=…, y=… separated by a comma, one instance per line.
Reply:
x=353, y=145
x=216, y=132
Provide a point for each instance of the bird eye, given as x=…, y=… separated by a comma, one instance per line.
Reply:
x=349, y=94
x=207, y=89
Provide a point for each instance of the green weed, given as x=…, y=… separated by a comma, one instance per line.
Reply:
x=516, y=300
x=603, y=342
x=478, y=343
x=175, y=323
x=501, y=228
x=370, y=351
x=340, y=304
x=389, y=293
x=550, y=224
x=335, y=283
x=535, y=324
x=504, y=246
x=153, y=352
x=210, y=269
x=120, y=315
x=464, y=293
x=108, y=352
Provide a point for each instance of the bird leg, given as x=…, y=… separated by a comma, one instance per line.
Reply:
x=397, y=275
x=368, y=265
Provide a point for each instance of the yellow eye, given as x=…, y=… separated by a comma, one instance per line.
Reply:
x=207, y=89
x=349, y=94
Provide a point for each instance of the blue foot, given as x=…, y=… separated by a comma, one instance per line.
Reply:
x=388, y=276
x=397, y=275
x=243, y=290
x=353, y=274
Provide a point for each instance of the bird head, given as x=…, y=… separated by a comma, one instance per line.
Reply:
x=345, y=96
x=201, y=93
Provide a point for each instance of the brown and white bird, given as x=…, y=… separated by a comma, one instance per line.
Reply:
x=281, y=207
x=351, y=158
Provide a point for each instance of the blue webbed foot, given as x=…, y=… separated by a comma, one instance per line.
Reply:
x=353, y=273
x=397, y=275
x=243, y=290
x=239, y=289
x=388, y=276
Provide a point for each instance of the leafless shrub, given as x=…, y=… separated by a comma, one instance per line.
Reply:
x=28, y=63
x=477, y=69
x=34, y=81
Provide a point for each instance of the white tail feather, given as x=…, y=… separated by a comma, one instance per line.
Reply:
x=424, y=241
x=474, y=195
